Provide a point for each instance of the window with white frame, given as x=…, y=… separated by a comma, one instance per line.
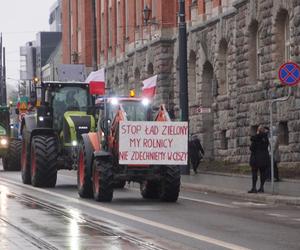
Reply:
x=287, y=38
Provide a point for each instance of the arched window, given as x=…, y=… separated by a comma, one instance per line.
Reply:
x=254, y=53
x=137, y=83
x=282, y=35
x=126, y=84
x=192, y=79
x=223, y=71
x=150, y=70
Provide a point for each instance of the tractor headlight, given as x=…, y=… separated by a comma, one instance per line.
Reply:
x=114, y=101
x=41, y=118
x=145, y=102
x=74, y=143
x=3, y=141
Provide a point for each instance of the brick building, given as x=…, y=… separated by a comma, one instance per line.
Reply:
x=234, y=50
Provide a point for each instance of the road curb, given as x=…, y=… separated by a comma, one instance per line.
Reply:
x=269, y=198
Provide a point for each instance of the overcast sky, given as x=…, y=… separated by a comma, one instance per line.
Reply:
x=20, y=20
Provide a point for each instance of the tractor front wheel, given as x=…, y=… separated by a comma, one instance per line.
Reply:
x=84, y=182
x=12, y=161
x=170, y=184
x=44, y=153
x=103, y=182
x=25, y=160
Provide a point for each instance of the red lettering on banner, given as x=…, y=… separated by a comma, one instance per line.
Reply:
x=174, y=130
x=134, y=142
x=123, y=155
x=157, y=143
x=144, y=156
x=177, y=156
x=131, y=129
x=152, y=130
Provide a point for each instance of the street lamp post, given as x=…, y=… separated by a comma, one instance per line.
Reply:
x=183, y=75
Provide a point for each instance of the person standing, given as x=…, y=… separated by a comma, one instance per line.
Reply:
x=196, y=152
x=259, y=158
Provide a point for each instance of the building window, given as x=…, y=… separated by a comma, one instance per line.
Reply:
x=282, y=37
x=224, y=140
x=223, y=71
x=192, y=79
x=254, y=53
x=287, y=39
x=150, y=70
x=283, y=133
x=137, y=84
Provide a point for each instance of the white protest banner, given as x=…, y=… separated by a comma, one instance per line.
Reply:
x=153, y=143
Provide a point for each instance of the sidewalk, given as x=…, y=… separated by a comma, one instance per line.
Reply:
x=286, y=191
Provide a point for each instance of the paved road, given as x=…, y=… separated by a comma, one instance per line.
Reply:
x=59, y=218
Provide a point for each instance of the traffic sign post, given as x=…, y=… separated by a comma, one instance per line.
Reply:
x=289, y=75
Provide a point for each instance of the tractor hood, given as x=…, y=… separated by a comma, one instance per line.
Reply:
x=75, y=124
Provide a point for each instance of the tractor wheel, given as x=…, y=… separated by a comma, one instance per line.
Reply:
x=102, y=180
x=170, y=184
x=119, y=184
x=150, y=189
x=25, y=160
x=84, y=182
x=44, y=153
x=12, y=161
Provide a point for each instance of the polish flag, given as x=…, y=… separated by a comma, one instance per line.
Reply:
x=96, y=79
x=149, y=87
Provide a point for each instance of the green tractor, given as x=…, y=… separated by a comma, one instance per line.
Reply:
x=4, y=131
x=50, y=135
x=10, y=145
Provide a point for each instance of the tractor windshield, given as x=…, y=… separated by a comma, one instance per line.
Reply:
x=136, y=110
x=70, y=98
x=65, y=99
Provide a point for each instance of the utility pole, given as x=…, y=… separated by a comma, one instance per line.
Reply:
x=95, y=67
x=1, y=91
x=4, y=101
x=184, y=101
x=183, y=76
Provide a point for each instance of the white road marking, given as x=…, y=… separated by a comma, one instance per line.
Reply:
x=207, y=202
x=200, y=201
x=249, y=204
x=99, y=207
x=298, y=219
x=278, y=215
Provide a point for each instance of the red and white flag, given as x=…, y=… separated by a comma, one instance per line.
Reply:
x=96, y=79
x=149, y=87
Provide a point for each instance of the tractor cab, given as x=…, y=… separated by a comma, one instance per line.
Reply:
x=65, y=107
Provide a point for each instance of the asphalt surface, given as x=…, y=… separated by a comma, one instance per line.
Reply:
x=201, y=219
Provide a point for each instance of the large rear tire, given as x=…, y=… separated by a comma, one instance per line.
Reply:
x=170, y=184
x=25, y=159
x=102, y=180
x=44, y=153
x=84, y=181
x=12, y=161
x=150, y=189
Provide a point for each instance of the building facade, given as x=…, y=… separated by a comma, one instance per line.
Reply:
x=235, y=48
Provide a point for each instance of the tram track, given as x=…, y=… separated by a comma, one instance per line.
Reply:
x=29, y=237
x=99, y=226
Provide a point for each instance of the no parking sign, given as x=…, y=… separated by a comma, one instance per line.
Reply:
x=289, y=73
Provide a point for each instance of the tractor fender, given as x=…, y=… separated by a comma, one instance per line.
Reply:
x=89, y=152
x=28, y=121
x=102, y=154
